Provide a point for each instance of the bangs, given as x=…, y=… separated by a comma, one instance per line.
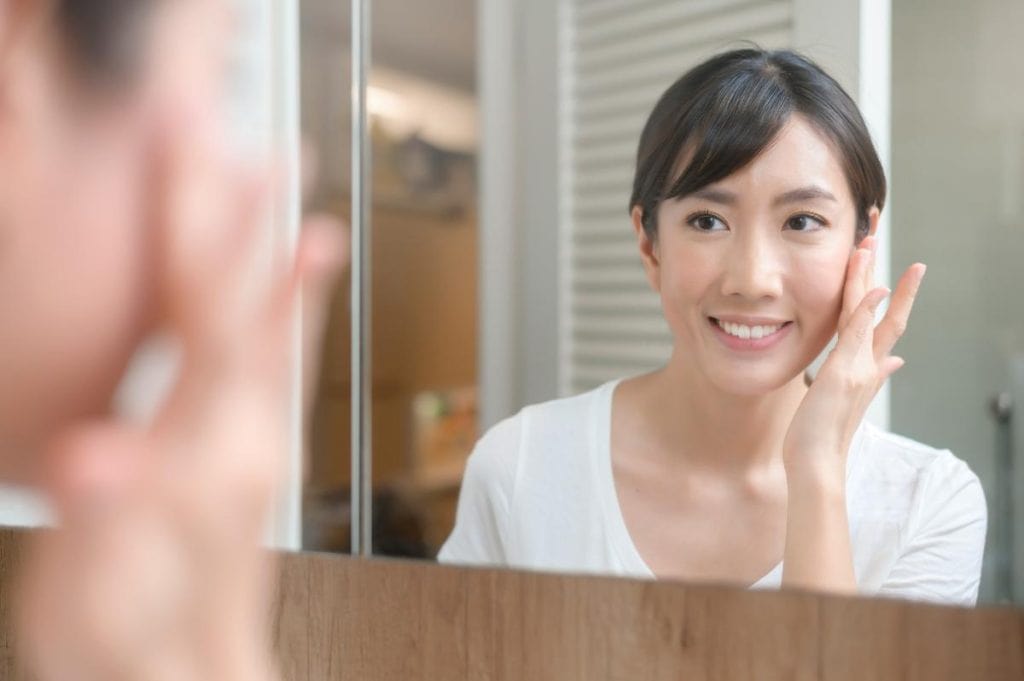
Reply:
x=729, y=127
x=723, y=113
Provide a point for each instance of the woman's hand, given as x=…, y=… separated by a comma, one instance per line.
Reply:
x=822, y=429
x=818, y=553
x=155, y=571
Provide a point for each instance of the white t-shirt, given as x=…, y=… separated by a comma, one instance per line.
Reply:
x=539, y=494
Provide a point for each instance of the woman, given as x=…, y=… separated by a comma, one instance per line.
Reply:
x=120, y=214
x=755, y=205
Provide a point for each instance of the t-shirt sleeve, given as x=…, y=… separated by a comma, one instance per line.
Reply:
x=481, y=520
x=941, y=559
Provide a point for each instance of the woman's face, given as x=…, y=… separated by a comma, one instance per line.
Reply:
x=750, y=269
x=76, y=188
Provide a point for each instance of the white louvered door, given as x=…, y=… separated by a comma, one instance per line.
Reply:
x=620, y=55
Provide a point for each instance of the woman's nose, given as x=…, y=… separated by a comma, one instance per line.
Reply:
x=752, y=268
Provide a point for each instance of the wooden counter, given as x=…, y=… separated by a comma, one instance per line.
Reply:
x=339, y=618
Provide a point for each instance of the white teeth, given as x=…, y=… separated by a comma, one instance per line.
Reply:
x=748, y=332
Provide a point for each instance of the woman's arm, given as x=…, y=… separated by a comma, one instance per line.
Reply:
x=818, y=554
x=481, y=520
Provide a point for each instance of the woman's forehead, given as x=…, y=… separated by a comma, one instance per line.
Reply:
x=799, y=163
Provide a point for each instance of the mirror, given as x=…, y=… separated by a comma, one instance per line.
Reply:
x=423, y=138
x=505, y=270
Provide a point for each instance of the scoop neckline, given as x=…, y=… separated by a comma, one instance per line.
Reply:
x=624, y=546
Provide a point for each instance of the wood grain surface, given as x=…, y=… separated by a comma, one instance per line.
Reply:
x=346, y=619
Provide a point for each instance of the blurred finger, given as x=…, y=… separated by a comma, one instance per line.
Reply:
x=319, y=256
x=93, y=465
x=894, y=324
x=241, y=284
x=192, y=215
x=326, y=252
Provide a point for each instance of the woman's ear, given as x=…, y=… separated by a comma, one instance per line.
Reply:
x=648, y=249
x=873, y=216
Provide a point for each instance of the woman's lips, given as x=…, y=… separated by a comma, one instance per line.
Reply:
x=771, y=335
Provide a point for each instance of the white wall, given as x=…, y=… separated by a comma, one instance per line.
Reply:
x=519, y=219
x=958, y=171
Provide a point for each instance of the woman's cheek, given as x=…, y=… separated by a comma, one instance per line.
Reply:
x=687, y=281
x=819, y=284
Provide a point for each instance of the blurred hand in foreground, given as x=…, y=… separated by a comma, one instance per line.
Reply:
x=155, y=571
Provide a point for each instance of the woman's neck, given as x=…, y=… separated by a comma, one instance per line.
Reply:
x=714, y=430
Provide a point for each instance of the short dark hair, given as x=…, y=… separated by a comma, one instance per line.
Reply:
x=722, y=114
x=103, y=37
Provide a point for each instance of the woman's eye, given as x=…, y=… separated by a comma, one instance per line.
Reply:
x=804, y=223
x=706, y=223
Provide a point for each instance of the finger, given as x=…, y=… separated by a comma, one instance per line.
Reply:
x=326, y=256
x=858, y=331
x=206, y=218
x=209, y=283
x=319, y=258
x=268, y=356
x=853, y=289
x=894, y=324
x=93, y=465
x=871, y=245
x=889, y=366
x=190, y=207
x=223, y=308
x=241, y=278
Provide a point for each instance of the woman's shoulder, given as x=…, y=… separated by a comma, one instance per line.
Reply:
x=547, y=432
x=561, y=416
x=900, y=453
x=905, y=466
x=918, y=520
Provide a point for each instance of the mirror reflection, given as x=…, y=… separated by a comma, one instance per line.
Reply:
x=649, y=358
x=423, y=132
x=958, y=178
x=649, y=300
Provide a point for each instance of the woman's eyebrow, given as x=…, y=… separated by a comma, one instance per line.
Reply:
x=716, y=195
x=728, y=198
x=808, y=193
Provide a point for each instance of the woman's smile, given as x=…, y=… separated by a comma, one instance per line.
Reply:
x=749, y=334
